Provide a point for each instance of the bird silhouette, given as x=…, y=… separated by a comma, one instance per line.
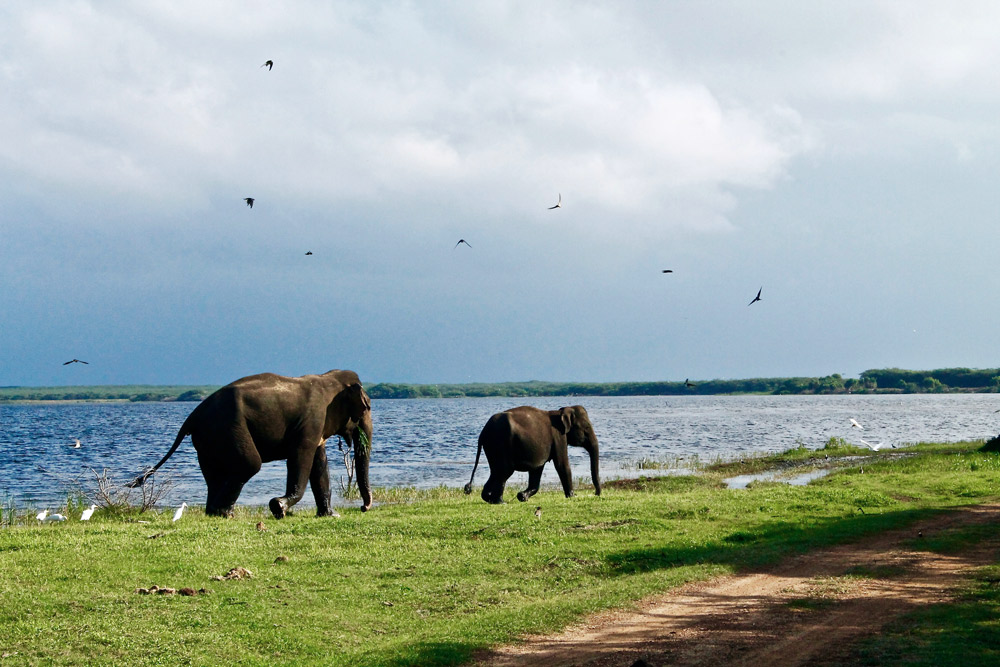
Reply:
x=688, y=383
x=461, y=241
x=249, y=201
x=269, y=64
x=558, y=203
x=75, y=361
x=309, y=252
x=180, y=511
x=87, y=513
x=756, y=298
x=668, y=270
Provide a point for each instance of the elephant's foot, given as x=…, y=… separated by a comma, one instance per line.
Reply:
x=329, y=511
x=226, y=512
x=524, y=495
x=278, y=508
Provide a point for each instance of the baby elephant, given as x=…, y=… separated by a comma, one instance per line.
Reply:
x=524, y=439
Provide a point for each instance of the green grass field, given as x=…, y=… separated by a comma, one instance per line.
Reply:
x=430, y=581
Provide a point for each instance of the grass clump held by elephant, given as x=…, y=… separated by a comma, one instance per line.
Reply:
x=525, y=438
x=270, y=417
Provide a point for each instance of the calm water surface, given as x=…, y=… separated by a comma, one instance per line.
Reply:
x=429, y=442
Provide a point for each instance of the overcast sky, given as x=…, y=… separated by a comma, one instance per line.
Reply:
x=843, y=156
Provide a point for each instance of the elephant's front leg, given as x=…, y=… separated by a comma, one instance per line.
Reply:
x=300, y=463
x=319, y=481
x=534, y=481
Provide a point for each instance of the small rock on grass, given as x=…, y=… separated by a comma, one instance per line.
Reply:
x=235, y=573
x=281, y=559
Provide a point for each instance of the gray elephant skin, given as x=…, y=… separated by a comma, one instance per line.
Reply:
x=525, y=439
x=270, y=417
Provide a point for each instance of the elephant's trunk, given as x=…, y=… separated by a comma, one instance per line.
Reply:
x=595, y=473
x=362, y=456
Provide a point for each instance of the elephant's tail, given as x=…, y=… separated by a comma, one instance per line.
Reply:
x=479, y=450
x=141, y=479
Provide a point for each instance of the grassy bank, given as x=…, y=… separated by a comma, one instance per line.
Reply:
x=431, y=581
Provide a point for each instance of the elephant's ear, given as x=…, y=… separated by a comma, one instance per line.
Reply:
x=359, y=392
x=562, y=420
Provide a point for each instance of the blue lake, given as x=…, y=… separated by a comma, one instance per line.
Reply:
x=430, y=442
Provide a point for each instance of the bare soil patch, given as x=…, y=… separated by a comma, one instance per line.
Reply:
x=807, y=610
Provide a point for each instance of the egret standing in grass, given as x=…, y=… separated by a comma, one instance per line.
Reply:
x=41, y=515
x=180, y=511
x=87, y=513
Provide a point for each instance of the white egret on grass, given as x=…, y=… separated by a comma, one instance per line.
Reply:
x=41, y=515
x=87, y=513
x=180, y=511
x=855, y=424
x=54, y=517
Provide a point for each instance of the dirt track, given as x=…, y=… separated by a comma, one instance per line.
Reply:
x=803, y=611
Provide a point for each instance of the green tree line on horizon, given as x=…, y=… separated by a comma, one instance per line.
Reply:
x=886, y=380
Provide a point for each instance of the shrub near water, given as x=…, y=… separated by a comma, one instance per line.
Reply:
x=432, y=581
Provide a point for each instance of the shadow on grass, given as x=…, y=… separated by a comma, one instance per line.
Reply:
x=748, y=549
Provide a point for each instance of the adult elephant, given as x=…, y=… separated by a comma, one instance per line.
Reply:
x=269, y=417
x=525, y=439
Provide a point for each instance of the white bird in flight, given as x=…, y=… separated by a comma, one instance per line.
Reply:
x=87, y=513
x=76, y=444
x=180, y=511
x=558, y=203
x=855, y=424
x=877, y=446
x=41, y=515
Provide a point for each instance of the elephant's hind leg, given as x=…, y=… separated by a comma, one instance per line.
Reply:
x=534, y=481
x=224, y=485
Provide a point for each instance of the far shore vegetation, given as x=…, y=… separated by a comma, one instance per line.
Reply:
x=876, y=381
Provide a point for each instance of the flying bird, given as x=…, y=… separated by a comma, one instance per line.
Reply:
x=309, y=252
x=87, y=513
x=688, y=383
x=558, y=203
x=855, y=424
x=249, y=201
x=180, y=511
x=269, y=64
x=756, y=298
x=76, y=444
x=877, y=446
x=668, y=271
x=461, y=241
x=75, y=361
x=41, y=515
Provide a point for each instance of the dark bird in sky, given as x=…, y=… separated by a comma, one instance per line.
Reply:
x=668, y=270
x=249, y=201
x=756, y=298
x=461, y=241
x=558, y=203
x=269, y=64
x=75, y=361
x=688, y=383
x=309, y=252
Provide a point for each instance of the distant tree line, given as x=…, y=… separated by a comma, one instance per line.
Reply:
x=881, y=381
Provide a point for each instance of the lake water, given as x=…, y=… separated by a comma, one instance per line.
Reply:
x=428, y=442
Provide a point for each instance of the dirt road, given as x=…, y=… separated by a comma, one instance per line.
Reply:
x=803, y=611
